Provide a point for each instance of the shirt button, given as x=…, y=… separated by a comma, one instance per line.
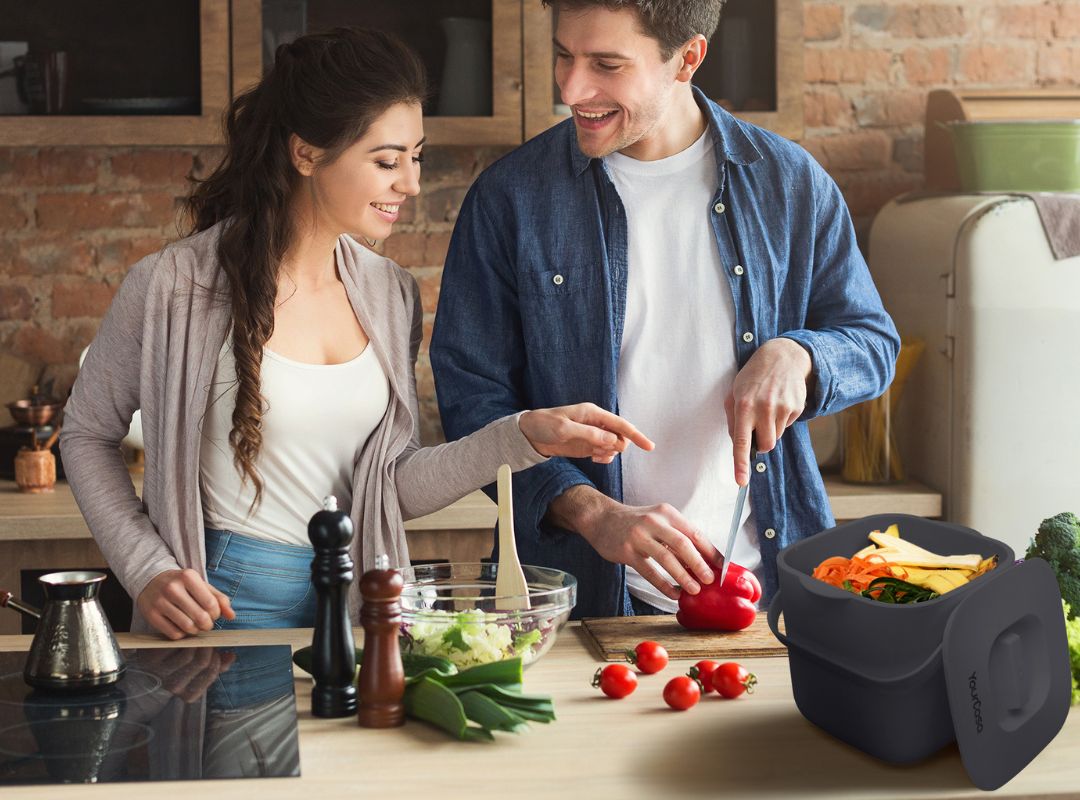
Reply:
x=557, y=280
x=738, y=269
x=748, y=337
x=760, y=466
x=770, y=533
x=719, y=208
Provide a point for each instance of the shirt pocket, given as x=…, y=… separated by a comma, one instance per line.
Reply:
x=563, y=310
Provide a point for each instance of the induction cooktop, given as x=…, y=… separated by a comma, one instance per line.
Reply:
x=178, y=713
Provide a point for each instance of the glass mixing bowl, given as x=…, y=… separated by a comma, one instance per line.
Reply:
x=452, y=611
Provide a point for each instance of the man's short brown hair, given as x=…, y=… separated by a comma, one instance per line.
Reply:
x=671, y=22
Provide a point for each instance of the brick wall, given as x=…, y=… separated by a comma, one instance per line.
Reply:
x=869, y=66
x=73, y=219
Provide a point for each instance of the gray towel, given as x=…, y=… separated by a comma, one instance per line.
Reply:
x=1059, y=213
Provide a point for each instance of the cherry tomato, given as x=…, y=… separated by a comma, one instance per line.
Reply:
x=731, y=679
x=615, y=680
x=682, y=692
x=649, y=657
x=703, y=671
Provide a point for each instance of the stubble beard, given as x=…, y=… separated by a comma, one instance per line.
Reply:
x=607, y=150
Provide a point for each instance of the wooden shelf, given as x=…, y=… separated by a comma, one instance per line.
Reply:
x=47, y=531
x=34, y=517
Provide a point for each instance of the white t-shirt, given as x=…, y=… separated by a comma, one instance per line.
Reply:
x=317, y=420
x=678, y=360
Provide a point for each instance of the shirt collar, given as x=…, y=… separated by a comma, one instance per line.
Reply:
x=732, y=143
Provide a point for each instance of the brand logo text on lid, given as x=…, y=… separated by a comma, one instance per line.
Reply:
x=976, y=703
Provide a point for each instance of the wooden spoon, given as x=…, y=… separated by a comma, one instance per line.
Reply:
x=510, y=585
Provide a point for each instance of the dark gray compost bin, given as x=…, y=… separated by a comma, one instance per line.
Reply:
x=986, y=664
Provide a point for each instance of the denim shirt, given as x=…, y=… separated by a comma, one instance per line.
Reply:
x=533, y=302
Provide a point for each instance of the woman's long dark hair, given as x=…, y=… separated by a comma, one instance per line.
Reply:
x=327, y=88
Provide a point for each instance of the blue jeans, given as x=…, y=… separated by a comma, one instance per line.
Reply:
x=259, y=674
x=268, y=584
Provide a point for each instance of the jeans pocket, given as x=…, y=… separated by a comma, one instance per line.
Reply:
x=264, y=597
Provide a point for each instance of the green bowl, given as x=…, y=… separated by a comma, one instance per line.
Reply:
x=1017, y=156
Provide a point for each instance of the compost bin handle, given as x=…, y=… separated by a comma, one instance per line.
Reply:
x=776, y=608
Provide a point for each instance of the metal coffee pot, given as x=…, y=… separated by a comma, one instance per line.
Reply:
x=74, y=647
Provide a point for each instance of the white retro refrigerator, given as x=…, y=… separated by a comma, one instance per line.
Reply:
x=991, y=414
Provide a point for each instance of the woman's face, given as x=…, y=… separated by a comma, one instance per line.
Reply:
x=361, y=192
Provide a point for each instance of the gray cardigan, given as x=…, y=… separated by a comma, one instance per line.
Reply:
x=156, y=350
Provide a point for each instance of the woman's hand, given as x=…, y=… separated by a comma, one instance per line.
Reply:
x=179, y=603
x=583, y=430
x=187, y=672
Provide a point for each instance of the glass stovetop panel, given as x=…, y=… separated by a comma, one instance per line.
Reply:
x=178, y=713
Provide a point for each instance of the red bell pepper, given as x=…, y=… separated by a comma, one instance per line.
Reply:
x=722, y=608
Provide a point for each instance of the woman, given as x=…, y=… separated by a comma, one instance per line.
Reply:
x=272, y=358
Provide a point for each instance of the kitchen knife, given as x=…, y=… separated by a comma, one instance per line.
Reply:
x=740, y=501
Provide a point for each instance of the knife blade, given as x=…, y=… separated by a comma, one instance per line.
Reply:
x=736, y=519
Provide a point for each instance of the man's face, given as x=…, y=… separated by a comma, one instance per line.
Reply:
x=611, y=76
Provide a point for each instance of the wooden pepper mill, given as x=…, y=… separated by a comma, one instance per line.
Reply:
x=333, y=655
x=382, y=677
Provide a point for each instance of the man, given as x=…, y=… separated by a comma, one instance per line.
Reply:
x=691, y=271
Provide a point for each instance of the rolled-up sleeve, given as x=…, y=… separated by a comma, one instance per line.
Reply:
x=851, y=339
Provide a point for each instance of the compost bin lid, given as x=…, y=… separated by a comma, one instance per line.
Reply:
x=1007, y=671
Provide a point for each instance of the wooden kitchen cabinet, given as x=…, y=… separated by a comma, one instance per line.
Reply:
x=155, y=74
x=229, y=42
x=261, y=25
x=753, y=66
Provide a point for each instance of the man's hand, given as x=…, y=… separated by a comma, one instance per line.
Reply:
x=768, y=395
x=632, y=535
x=583, y=430
x=179, y=603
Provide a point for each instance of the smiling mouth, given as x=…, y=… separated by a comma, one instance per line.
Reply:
x=594, y=116
x=387, y=208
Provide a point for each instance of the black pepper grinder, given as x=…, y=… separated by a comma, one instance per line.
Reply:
x=333, y=655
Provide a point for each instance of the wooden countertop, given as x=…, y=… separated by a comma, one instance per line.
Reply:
x=758, y=746
x=56, y=516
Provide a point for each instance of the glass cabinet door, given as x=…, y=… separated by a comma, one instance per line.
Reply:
x=113, y=71
x=753, y=67
x=471, y=49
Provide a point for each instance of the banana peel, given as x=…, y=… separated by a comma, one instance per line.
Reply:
x=900, y=551
x=939, y=580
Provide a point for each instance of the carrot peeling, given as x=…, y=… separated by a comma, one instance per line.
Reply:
x=855, y=574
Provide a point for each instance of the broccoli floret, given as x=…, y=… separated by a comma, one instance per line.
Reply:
x=1070, y=590
x=1072, y=628
x=1057, y=536
x=1058, y=542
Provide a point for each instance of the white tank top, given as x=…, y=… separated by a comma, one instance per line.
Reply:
x=317, y=421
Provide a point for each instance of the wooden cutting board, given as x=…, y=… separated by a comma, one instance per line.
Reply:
x=613, y=636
